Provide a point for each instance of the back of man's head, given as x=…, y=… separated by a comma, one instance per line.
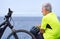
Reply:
x=48, y=7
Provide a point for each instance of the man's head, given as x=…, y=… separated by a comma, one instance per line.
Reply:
x=46, y=8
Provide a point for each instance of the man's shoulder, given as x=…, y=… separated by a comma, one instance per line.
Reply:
x=50, y=15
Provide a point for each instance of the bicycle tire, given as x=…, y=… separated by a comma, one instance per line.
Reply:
x=25, y=31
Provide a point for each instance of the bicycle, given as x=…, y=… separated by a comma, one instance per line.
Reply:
x=14, y=32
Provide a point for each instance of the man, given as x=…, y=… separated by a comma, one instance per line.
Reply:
x=50, y=26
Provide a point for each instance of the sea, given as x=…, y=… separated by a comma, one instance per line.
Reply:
x=25, y=23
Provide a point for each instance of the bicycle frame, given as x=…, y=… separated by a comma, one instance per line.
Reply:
x=6, y=23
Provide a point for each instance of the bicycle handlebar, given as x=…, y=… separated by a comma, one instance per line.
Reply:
x=9, y=13
x=7, y=17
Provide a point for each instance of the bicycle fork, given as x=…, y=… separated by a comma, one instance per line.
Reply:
x=2, y=31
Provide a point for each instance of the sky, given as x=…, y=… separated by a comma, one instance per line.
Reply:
x=28, y=8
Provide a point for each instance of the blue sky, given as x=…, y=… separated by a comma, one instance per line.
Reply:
x=30, y=8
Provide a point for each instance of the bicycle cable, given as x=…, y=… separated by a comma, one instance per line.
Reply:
x=12, y=21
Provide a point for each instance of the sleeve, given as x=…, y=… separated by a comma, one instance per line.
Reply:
x=44, y=23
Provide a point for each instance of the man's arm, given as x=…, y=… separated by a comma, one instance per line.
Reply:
x=42, y=31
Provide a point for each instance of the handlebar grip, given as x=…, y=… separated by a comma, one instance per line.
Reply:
x=9, y=13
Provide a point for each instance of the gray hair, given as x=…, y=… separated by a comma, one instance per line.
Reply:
x=48, y=7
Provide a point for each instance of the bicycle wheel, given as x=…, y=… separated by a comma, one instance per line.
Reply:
x=22, y=31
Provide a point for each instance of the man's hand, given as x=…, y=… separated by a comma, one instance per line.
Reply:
x=41, y=30
x=39, y=26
